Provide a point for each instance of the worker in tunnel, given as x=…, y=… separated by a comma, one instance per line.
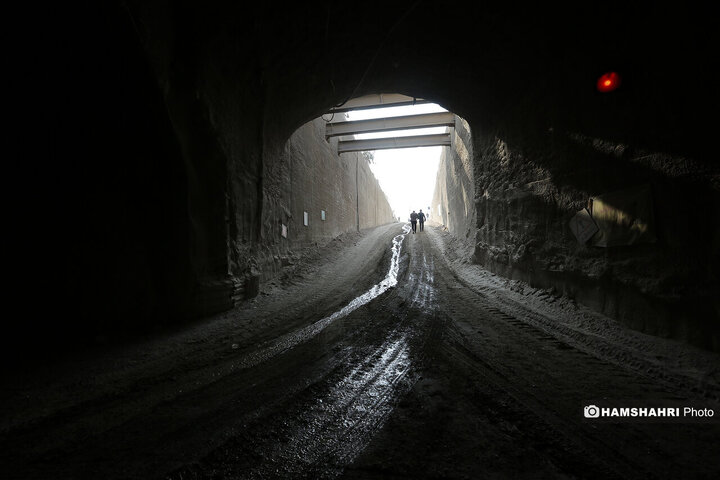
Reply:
x=421, y=219
x=413, y=221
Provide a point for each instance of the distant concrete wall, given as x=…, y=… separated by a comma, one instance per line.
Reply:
x=453, y=204
x=374, y=207
x=308, y=177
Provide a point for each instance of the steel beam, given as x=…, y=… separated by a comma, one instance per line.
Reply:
x=381, y=100
x=442, y=139
x=407, y=122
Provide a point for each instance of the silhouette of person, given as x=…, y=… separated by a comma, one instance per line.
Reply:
x=413, y=220
x=421, y=219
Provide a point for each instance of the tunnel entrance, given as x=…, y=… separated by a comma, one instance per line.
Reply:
x=408, y=137
x=160, y=186
x=403, y=139
x=369, y=161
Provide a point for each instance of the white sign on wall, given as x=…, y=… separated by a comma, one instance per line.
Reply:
x=305, y=218
x=583, y=226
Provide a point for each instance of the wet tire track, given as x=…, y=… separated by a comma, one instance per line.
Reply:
x=549, y=379
x=455, y=382
x=318, y=431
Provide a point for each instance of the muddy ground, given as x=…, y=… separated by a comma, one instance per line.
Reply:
x=449, y=372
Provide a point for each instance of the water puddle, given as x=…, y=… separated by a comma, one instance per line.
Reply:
x=292, y=339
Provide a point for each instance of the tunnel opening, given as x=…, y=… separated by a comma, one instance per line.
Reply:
x=159, y=186
x=518, y=200
x=206, y=103
x=406, y=174
x=368, y=161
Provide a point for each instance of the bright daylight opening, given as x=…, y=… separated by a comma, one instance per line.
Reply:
x=406, y=175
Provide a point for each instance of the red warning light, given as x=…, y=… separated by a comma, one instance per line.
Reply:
x=608, y=82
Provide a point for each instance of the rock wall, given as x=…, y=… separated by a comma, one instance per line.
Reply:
x=525, y=195
x=309, y=178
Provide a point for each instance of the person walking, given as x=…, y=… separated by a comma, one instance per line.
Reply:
x=421, y=219
x=413, y=220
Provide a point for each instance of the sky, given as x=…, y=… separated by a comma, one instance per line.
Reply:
x=406, y=175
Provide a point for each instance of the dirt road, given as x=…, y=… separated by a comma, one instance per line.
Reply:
x=381, y=355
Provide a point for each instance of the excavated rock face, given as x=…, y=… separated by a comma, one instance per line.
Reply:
x=662, y=282
x=213, y=92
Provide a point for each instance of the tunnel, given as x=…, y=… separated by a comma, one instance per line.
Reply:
x=207, y=280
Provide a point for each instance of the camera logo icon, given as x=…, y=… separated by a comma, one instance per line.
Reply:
x=591, y=411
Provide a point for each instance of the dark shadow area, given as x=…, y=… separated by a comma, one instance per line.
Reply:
x=102, y=220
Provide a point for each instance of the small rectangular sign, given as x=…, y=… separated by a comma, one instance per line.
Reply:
x=583, y=226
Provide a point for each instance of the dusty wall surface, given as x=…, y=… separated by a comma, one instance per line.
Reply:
x=525, y=198
x=373, y=204
x=667, y=287
x=453, y=204
x=308, y=175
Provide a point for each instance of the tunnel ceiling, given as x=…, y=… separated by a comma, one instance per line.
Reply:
x=523, y=69
x=531, y=68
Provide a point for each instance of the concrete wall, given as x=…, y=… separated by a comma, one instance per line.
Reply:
x=373, y=204
x=309, y=176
